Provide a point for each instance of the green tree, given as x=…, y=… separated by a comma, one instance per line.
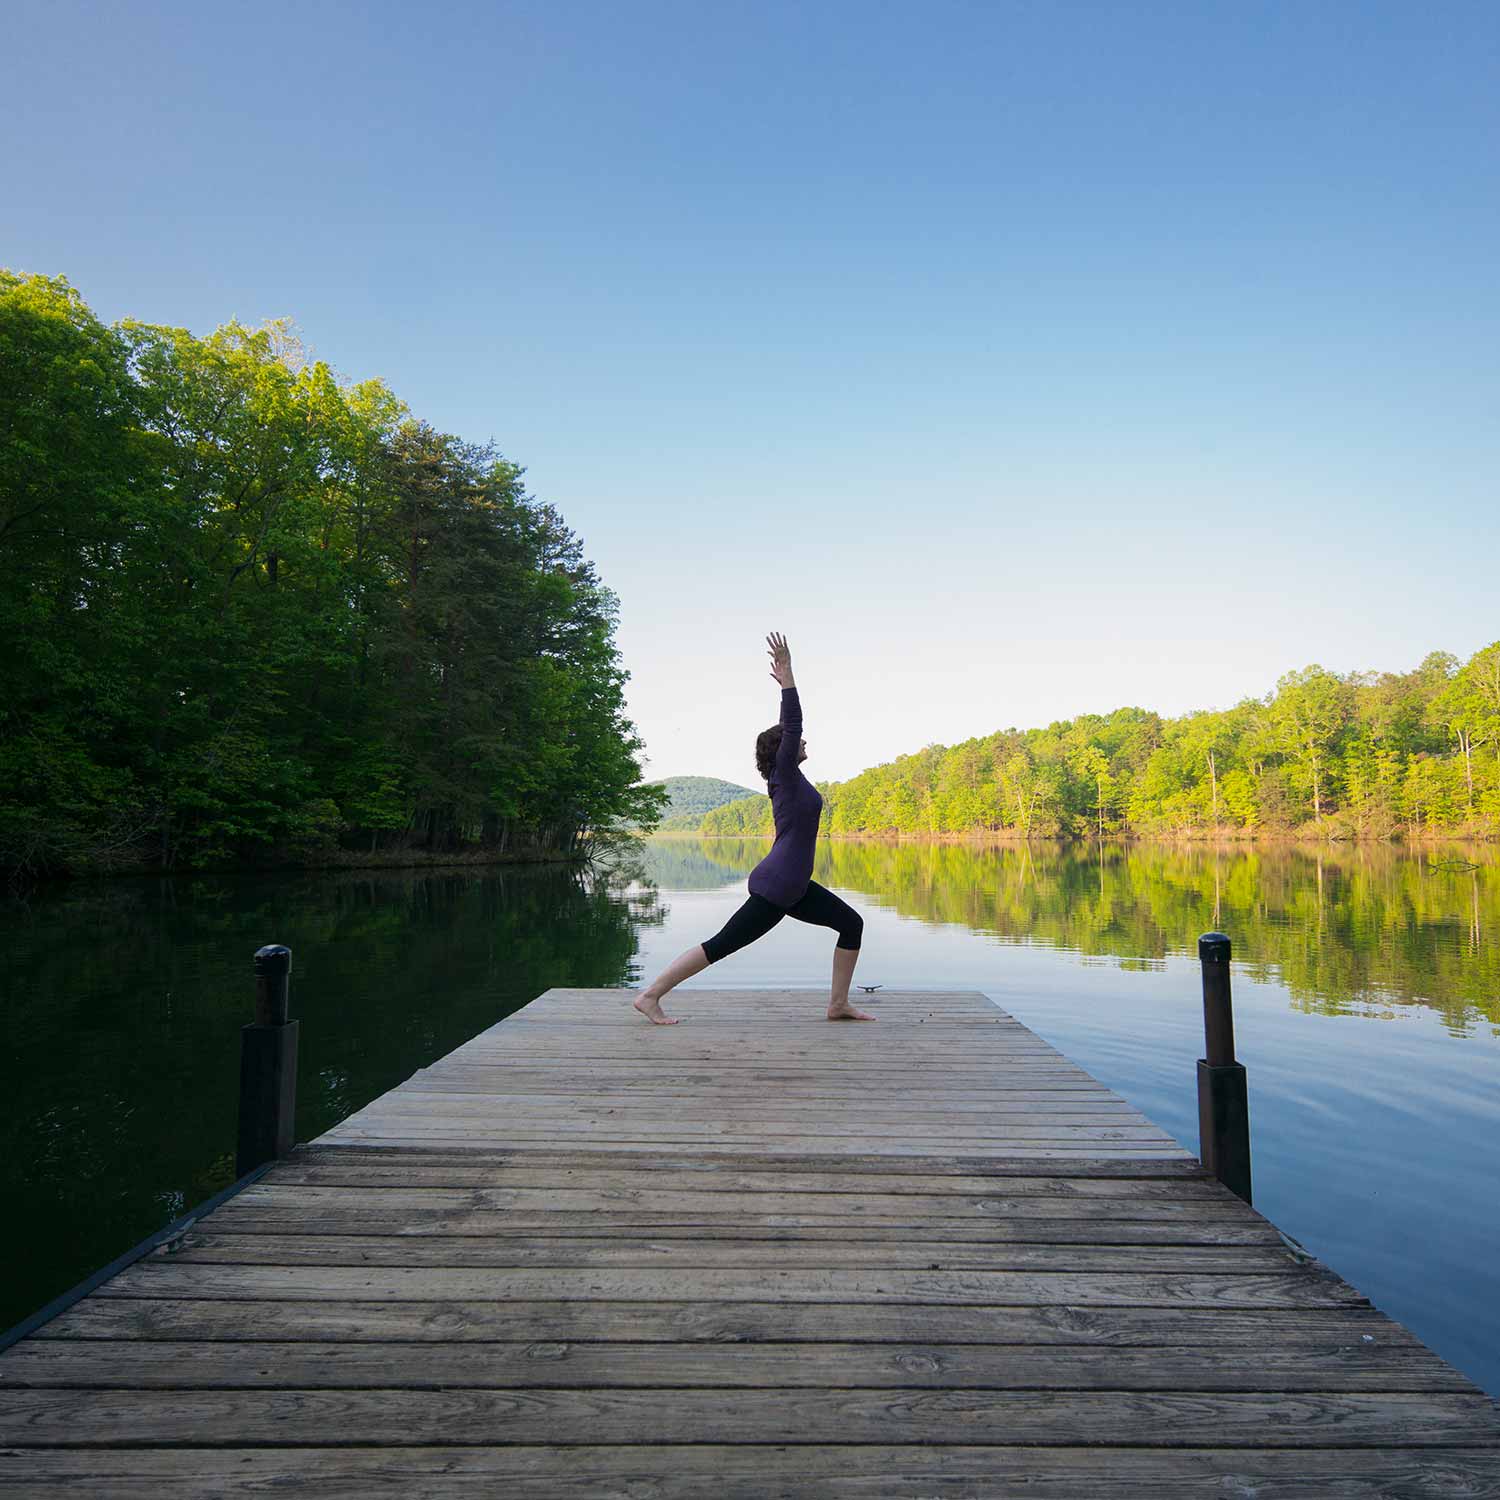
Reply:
x=1029, y=790
x=71, y=499
x=1207, y=738
x=1468, y=708
x=1092, y=765
x=1309, y=712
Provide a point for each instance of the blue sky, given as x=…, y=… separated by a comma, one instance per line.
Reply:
x=1016, y=360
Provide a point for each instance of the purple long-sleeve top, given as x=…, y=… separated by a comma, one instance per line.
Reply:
x=796, y=805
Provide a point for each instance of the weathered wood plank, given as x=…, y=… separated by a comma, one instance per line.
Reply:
x=167, y=1277
x=701, y=1253
x=458, y=1136
x=954, y=1220
x=1039, y=1071
x=1059, y=1230
x=935, y=1164
x=736, y=1108
x=830, y=1043
x=321, y=1418
x=748, y=1472
x=137, y=1365
x=967, y=1074
x=1005, y=1105
x=935, y=1039
x=639, y=1136
x=365, y=1169
x=1001, y=1109
x=457, y=1320
x=939, y=1082
x=683, y=1130
x=992, y=1205
x=468, y=1111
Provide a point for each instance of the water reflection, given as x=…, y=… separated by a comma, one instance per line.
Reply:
x=120, y=1072
x=1345, y=930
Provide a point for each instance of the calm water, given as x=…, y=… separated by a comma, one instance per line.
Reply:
x=1367, y=1012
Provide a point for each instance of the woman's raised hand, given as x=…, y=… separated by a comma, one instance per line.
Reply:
x=781, y=659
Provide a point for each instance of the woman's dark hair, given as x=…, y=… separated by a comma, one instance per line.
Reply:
x=767, y=743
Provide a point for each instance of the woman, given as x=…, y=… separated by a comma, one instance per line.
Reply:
x=781, y=885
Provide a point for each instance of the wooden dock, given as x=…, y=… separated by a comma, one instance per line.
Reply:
x=752, y=1255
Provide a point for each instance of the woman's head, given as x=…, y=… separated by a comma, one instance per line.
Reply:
x=767, y=743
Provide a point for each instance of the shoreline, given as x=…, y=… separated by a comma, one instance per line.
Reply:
x=1216, y=839
x=342, y=860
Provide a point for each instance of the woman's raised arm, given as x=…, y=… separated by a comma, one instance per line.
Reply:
x=789, y=752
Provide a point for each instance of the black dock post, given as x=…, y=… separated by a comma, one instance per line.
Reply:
x=1223, y=1101
x=268, y=1066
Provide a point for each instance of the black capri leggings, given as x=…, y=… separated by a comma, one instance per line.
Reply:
x=758, y=916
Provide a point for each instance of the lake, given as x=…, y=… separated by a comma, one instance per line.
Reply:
x=1367, y=1014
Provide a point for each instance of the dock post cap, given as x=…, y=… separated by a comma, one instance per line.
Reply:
x=274, y=958
x=1213, y=948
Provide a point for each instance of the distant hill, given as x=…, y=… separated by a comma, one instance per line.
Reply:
x=692, y=796
x=744, y=816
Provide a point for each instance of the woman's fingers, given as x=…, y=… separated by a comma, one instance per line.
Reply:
x=781, y=658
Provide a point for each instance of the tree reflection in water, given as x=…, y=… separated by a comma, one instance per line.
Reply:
x=1347, y=930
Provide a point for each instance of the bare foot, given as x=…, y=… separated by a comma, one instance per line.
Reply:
x=652, y=1011
x=847, y=1012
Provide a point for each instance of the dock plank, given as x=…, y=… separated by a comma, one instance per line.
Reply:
x=405, y=1417
x=213, y=1318
x=712, y=1252
x=533, y=1364
x=687, y=1472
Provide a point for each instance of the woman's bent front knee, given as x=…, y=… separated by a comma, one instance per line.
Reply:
x=852, y=932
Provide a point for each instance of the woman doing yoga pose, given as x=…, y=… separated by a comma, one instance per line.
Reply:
x=781, y=885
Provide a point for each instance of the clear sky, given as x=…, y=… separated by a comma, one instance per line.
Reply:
x=1014, y=359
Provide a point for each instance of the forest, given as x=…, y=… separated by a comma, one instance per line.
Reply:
x=1362, y=756
x=257, y=613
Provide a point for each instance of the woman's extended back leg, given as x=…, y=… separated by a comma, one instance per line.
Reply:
x=754, y=919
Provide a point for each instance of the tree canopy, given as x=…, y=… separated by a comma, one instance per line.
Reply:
x=253, y=611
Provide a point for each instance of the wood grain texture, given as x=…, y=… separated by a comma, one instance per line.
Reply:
x=166, y=1276
x=405, y=1417
x=542, y=1364
x=214, y=1318
x=754, y=1254
x=727, y=1472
